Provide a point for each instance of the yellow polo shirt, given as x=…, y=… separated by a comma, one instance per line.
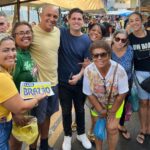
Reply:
x=7, y=90
x=44, y=51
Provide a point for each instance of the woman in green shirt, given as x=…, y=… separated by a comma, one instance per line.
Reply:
x=25, y=69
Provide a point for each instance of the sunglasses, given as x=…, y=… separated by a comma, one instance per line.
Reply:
x=117, y=39
x=101, y=55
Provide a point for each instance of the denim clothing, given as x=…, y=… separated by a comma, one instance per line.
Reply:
x=67, y=94
x=5, y=131
x=46, y=107
x=141, y=76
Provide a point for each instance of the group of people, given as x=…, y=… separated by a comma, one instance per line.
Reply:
x=79, y=66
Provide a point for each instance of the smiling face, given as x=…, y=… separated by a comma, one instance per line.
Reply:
x=76, y=22
x=100, y=58
x=7, y=54
x=23, y=36
x=135, y=22
x=95, y=33
x=120, y=40
x=49, y=17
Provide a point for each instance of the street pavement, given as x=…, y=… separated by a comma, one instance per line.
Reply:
x=56, y=134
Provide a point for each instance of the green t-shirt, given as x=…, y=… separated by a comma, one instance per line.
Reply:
x=25, y=69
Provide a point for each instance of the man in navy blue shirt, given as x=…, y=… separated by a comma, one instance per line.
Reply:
x=74, y=49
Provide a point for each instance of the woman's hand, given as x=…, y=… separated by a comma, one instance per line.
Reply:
x=85, y=63
x=20, y=119
x=40, y=97
x=110, y=116
x=74, y=79
x=103, y=113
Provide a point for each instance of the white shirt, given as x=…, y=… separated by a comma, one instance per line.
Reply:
x=94, y=83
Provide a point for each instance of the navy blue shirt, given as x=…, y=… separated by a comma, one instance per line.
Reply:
x=72, y=51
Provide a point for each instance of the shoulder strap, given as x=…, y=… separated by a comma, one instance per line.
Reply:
x=114, y=74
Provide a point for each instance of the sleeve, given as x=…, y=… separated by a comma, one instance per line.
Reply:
x=123, y=86
x=17, y=68
x=87, y=53
x=7, y=88
x=86, y=85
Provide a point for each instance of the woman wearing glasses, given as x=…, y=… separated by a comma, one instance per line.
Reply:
x=97, y=83
x=140, y=41
x=25, y=69
x=122, y=53
x=10, y=100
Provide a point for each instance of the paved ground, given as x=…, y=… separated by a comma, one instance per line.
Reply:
x=56, y=135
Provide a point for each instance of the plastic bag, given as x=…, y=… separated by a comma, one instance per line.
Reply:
x=100, y=129
x=134, y=100
x=27, y=133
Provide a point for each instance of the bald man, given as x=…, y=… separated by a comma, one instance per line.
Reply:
x=44, y=51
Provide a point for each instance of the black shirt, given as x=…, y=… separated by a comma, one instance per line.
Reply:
x=141, y=47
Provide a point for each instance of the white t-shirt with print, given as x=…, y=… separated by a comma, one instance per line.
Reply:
x=94, y=83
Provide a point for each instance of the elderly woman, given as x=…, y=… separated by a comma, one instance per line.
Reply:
x=122, y=53
x=97, y=83
x=140, y=41
x=10, y=100
x=25, y=69
x=96, y=32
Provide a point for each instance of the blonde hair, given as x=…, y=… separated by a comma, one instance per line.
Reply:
x=5, y=37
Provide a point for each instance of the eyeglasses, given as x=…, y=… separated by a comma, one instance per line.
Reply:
x=101, y=55
x=22, y=33
x=117, y=39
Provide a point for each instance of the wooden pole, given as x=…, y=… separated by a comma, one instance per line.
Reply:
x=18, y=10
x=28, y=12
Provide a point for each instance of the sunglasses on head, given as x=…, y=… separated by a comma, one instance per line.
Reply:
x=101, y=55
x=117, y=39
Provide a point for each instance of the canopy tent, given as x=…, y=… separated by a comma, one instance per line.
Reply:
x=122, y=12
x=85, y=5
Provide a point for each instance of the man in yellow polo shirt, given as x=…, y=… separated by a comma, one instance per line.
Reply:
x=44, y=51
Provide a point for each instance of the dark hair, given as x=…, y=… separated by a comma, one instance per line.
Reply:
x=20, y=24
x=136, y=13
x=75, y=10
x=100, y=44
x=107, y=26
x=102, y=27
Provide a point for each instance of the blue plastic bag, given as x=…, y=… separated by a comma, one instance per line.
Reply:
x=134, y=100
x=100, y=129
